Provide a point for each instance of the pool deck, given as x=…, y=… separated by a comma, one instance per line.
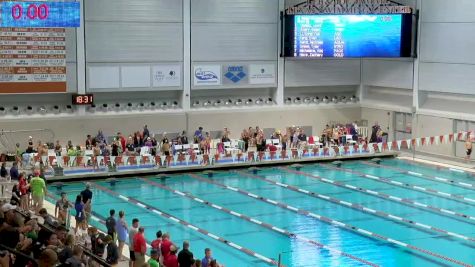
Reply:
x=197, y=168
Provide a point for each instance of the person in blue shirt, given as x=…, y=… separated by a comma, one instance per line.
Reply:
x=14, y=172
x=208, y=259
x=198, y=136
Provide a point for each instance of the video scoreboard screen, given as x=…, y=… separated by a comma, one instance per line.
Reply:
x=340, y=36
x=39, y=14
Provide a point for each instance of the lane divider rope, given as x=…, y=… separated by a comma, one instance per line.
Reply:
x=423, y=176
x=187, y=224
x=359, y=207
x=258, y=222
x=337, y=223
x=438, y=165
x=458, y=198
x=404, y=201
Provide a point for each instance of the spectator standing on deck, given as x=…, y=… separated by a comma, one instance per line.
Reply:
x=61, y=209
x=468, y=147
x=38, y=191
x=140, y=247
x=133, y=230
x=86, y=195
x=121, y=229
x=23, y=186
x=185, y=257
x=111, y=224
x=14, y=175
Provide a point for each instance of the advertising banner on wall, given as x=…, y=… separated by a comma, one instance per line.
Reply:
x=262, y=74
x=166, y=75
x=207, y=75
x=235, y=74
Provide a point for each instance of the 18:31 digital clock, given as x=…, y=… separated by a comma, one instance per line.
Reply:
x=40, y=14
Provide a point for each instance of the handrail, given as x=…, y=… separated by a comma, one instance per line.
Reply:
x=19, y=254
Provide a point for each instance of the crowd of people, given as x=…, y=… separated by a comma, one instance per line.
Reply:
x=252, y=139
x=65, y=247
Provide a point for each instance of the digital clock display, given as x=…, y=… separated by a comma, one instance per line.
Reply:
x=40, y=14
x=87, y=99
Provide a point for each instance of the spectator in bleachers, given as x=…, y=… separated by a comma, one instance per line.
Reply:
x=112, y=251
x=67, y=251
x=97, y=244
x=48, y=258
x=48, y=220
x=138, y=141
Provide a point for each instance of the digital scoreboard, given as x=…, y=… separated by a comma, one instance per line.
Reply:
x=15, y=14
x=341, y=36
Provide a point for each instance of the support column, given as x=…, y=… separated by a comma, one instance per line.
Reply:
x=81, y=58
x=186, y=96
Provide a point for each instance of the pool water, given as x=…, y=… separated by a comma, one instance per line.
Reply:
x=239, y=192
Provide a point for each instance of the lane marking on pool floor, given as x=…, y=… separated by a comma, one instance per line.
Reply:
x=438, y=165
x=336, y=223
x=404, y=201
x=258, y=222
x=423, y=176
x=186, y=224
x=360, y=207
x=458, y=198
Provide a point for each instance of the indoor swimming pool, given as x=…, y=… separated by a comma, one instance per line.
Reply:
x=396, y=213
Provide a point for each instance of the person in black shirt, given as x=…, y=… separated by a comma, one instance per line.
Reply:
x=3, y=171
x=183, y=138
x=115, y=149
x=112, y=251
x=185, y=257
x=97, y=244
x=110, y=224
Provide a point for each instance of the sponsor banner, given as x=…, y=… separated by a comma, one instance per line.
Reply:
x=262, y=74
x=235, y=74
x=207, y=75
x=166, y=75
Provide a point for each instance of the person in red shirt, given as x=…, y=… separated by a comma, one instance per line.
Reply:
x=166, y=245
x=140, y=248
x=122, y=140
x=23, y=186
x=157, y=243
x=171, y=260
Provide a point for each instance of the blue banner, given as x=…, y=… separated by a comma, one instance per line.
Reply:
x=40, y=14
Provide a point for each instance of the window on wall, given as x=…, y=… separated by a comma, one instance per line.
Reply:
x=459, y=144
x=403, y=127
